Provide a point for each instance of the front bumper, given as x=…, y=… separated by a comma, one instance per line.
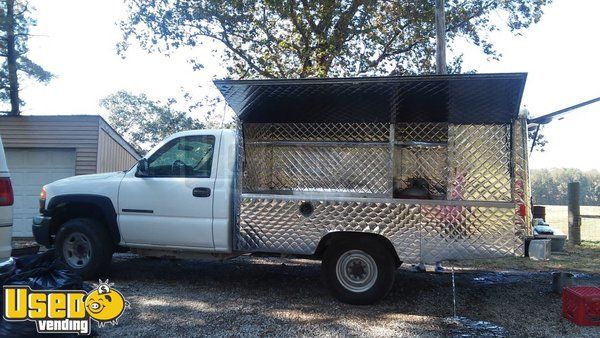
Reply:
x=41, y=230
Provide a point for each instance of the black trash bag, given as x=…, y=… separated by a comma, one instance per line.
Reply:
x=44, y=272
x=39, y=272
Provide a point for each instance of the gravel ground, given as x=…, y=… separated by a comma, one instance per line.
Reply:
x=250, y=296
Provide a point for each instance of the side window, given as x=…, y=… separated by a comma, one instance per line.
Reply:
x=188, y=156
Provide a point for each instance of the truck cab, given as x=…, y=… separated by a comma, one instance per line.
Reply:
x=177, y=198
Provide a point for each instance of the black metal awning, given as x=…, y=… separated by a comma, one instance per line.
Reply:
x=465, y=98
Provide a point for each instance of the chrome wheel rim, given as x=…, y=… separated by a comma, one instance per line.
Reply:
x=77, y=250
x=356, y=271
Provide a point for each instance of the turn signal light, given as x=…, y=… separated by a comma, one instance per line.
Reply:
x=42, y=200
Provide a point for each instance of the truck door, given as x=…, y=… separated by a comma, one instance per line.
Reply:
x=171, y=204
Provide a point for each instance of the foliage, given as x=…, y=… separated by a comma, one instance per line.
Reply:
x=144, y=122
x=549, y=186
x=301, y=38
x=22, y=21
x=540, y=139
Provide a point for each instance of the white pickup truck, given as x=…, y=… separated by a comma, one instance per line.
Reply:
x=177, y=199
x=362, y=174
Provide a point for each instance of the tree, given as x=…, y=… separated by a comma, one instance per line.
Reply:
x=301, y=38
x=144, y=122
x=15, y=21
x=550, y=186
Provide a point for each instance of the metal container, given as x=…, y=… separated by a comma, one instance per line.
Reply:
x=557, y=242
x=540, y=249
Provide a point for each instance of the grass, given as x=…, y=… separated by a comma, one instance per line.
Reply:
x=557, y=217
x=584, y=258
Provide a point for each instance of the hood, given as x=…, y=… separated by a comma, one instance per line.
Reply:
x=92, y=177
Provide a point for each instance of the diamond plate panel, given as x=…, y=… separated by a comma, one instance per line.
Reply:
x=312, y=168
x=427, y=233
x=479, y=159
x=276, y=162
x=258, y=168
x=353, y=132
x=463, y=232
x=429, y=163
x=362, y=170
x=276, y=225
x=521, y=185
x=421, y=132
x=457, y=98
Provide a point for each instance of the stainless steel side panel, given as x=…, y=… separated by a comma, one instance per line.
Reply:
x=478, y=176
x=427, y=231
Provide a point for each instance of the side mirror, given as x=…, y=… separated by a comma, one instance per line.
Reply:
x=142, y=168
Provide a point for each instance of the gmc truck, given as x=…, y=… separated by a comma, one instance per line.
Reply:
x=360, y=173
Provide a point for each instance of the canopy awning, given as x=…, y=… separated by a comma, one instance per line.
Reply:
x=464, y=98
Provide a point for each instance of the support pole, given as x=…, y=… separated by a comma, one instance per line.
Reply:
x=574, y=214
x=440, y=29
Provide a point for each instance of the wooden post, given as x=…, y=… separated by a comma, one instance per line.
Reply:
x=574, y=214
x=440, y=29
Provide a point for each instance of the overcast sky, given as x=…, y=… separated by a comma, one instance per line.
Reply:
x=75, y=39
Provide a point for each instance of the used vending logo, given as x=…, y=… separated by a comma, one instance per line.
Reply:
x=64, y=311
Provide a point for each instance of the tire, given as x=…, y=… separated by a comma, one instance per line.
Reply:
x=85, y=246
x=358, y=272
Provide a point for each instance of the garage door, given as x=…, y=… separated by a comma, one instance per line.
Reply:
x=30, y=169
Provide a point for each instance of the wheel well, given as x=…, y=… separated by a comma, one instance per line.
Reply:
x=339, y=236
x=65, y=208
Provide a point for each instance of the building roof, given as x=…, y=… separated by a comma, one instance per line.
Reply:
x=79, y=118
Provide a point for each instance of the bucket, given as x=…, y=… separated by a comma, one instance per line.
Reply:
x=561, y=280
x=539, y=212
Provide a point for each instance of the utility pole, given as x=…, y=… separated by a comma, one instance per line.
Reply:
x=440, y=29
x=11, y=58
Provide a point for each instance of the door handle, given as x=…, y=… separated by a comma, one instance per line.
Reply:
x=201, y=192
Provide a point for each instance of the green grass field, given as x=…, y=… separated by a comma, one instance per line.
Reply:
x=556, y=216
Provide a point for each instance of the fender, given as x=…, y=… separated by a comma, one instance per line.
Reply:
x=104, y=203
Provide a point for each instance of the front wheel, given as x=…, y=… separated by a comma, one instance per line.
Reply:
x=85, y=246
x=358, y=272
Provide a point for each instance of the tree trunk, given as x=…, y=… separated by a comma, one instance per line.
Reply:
x=11, y=58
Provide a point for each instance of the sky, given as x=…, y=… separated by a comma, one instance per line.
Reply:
x=76, y=40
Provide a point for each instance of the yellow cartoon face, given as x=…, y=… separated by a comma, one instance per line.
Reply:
x=106, y=306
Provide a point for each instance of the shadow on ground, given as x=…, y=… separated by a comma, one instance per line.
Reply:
x=274, y=297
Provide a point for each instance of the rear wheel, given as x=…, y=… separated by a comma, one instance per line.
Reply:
x=360, y=271
x=85, y=246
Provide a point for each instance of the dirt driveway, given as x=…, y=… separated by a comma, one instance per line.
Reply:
x=276, y=297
